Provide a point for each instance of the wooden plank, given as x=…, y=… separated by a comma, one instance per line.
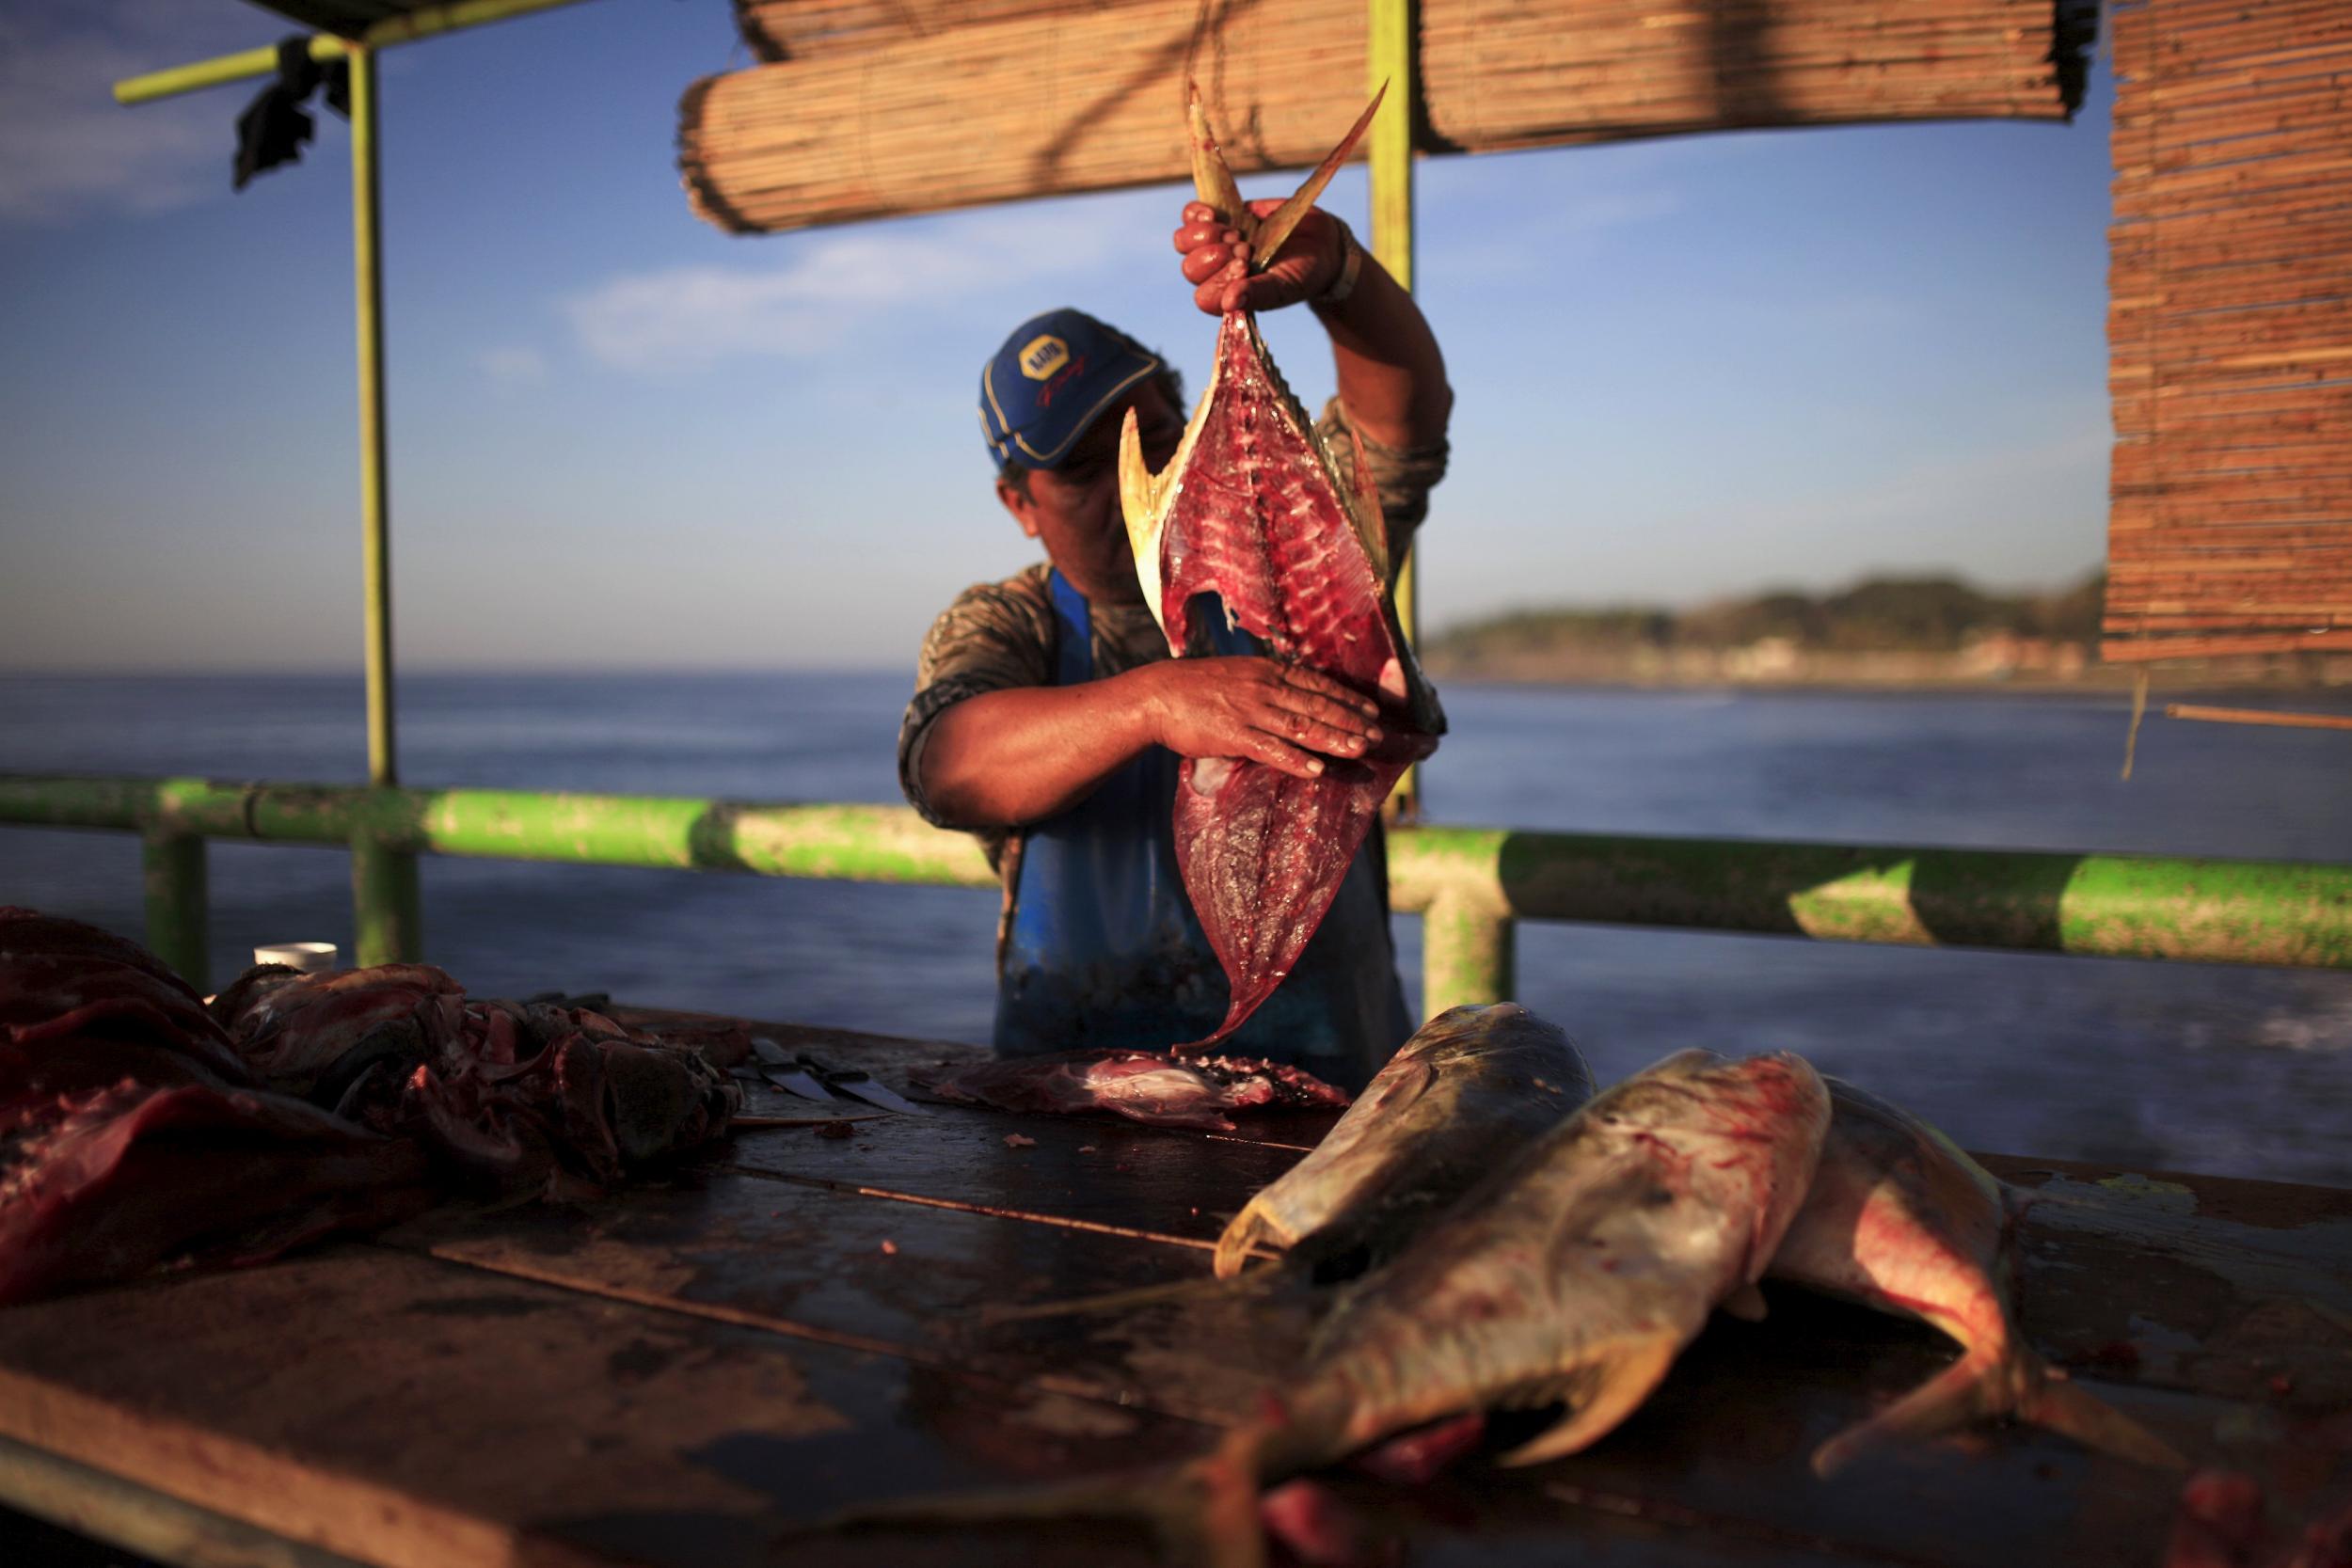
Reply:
x=2241, y=1290
x=1727, y=1458
x=418, y=1414
x=872, y=1274
x=95, y=1506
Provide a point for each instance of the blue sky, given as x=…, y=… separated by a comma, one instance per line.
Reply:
x=622, y=440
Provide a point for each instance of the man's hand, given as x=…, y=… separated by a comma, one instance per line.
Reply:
x=1286, y=716
x=1216, y=260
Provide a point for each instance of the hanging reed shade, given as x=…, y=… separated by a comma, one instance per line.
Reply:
x=2230, y=328
x=874, y=110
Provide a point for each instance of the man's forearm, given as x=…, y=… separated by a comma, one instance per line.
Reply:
x=1004, y=758
x=1392, y=373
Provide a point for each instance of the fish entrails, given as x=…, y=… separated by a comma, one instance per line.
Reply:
x=1899, y=1219
x=1253, y=510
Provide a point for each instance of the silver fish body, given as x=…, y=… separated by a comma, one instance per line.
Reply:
x=1472, y=1086
x=1901, y=1220
x=1573, y=1276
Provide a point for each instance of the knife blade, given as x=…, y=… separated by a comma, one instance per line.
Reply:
x=779, y=1069
x=873, y=1093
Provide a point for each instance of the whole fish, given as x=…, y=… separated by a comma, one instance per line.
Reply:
x=1253, y=510
x=1469, y=1090
x=1572, y=1276
x=1899, y=1219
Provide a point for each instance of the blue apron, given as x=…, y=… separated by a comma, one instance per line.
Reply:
x=1104, y=949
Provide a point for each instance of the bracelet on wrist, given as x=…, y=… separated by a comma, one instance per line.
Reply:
x=1351, y=267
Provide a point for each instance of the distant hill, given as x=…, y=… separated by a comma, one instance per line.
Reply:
x=1912, y=627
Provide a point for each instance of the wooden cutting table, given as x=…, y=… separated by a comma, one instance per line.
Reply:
x=684, y=1373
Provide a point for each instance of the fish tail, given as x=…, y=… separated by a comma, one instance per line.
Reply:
x=1201, y=1515
x=2063, y=1406
x=1964, y=1391
x=1978, y=1387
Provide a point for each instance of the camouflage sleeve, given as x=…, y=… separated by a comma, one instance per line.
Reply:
x=1404, y=476
x=995, y=636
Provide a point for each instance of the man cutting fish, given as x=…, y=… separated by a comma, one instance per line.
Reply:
x=1049, y=720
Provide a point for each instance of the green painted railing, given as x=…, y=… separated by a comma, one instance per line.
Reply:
x=1470, y=884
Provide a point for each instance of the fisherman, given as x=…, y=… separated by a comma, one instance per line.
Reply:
x=1049, y=720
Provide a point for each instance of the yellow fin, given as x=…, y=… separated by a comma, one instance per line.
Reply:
x=1626, y=1371
x=1275, y=226
x=1211, y=180
x=1140, y=494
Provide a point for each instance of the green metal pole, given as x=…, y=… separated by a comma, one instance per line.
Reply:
x=177, y=894
x=1467, y=953
x=1390, y=53
x=385, y=904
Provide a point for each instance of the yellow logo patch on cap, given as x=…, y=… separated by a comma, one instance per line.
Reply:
x=1042, y=355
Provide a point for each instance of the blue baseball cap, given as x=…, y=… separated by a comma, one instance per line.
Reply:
x=1052, y=379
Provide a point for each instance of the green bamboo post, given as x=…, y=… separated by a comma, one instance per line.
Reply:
x=1390, y=55
x=387, y=910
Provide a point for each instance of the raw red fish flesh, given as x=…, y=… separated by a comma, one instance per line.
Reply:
x=1141, y=1085
x=138, y=1128
x=1253, y=510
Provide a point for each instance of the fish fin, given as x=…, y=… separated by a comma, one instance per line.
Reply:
x=1625, y=1375
x=1978, y=1387
x=1140, y=494
x=2063, y=1406
x=1364, y=514
x=1745, y=1302
x=1275, y=226
x=1211, y=180
x=1115, y=1301
x=1202, y=1513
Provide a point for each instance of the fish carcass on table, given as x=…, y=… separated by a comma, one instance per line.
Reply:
x=528, y=1096
x=1570, y=1278
x=1141, y=1085
x=1470, y=1088
x=1900, y=1219
x=1253, y=510
x=133, y=1135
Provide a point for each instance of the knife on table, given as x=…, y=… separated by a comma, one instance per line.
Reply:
x=862, y=1085
x=780, y=1070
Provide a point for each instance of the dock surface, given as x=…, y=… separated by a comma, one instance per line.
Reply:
x=690, y=1373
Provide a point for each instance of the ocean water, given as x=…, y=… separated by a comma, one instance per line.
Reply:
x=2241, y=1071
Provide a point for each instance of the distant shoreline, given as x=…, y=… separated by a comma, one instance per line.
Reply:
x=2111, y=680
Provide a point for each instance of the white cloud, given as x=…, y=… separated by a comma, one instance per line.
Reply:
x=684, y=318
x=67, y=149
x=513, y=366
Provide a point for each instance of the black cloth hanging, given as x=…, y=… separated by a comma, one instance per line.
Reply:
x=274, y=125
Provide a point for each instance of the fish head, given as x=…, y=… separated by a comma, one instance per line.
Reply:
x=1754, y=1124
x=1073, y=508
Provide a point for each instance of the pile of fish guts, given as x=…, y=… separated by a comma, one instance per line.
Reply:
x=1492, y=1244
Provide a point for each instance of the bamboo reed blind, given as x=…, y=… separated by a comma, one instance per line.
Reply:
x=2230, y=328
x=881, y=107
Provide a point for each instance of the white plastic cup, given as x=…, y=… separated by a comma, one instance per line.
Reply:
x=308, y=957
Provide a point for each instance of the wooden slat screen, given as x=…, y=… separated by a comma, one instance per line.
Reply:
x=2230, y=328
x=882, y=109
